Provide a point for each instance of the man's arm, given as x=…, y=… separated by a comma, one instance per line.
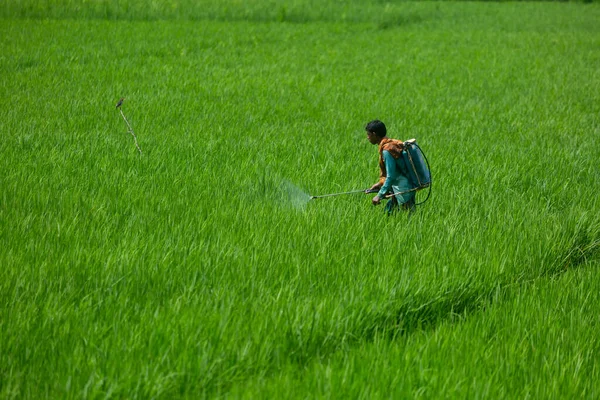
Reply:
x=391, y=175
x=374, y=188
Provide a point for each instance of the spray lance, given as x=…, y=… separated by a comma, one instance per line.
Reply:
x=366, y=191
x=342, y=193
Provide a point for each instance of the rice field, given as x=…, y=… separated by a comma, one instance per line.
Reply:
x=200, y=268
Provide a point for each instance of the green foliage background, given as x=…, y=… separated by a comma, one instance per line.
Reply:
x=199, y=270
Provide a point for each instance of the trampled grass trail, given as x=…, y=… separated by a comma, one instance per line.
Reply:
x=201, y=268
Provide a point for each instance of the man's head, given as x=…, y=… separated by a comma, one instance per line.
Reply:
x=375, y=131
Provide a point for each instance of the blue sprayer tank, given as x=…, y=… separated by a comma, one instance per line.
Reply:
x=416, y=164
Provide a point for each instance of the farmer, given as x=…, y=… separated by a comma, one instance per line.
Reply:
x=393, y=177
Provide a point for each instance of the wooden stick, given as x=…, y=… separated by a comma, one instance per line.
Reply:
x=130, y=130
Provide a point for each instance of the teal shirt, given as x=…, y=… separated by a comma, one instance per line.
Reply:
x=396, y=179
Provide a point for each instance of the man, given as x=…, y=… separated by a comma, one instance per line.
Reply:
x=393, y=177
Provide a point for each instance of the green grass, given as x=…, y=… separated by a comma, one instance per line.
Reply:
x=196, y=270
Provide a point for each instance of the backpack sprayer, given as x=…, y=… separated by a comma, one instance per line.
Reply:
x=417, y=166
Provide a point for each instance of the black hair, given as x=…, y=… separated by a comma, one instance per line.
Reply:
x=377, y=127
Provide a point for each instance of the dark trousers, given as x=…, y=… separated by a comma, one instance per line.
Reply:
x=392, y=205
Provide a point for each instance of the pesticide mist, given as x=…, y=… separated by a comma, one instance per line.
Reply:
x=292, y=195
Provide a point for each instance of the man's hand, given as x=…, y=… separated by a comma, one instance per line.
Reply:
x=376, y=200
x=373, y=189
